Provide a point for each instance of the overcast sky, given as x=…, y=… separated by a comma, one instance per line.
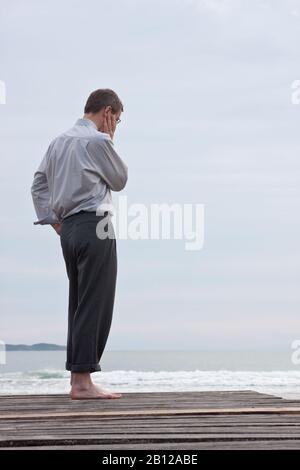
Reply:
x=208, y=118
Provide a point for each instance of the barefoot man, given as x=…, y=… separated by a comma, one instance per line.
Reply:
x=72, y=183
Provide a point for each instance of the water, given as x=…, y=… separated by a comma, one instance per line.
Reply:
x=151, y=371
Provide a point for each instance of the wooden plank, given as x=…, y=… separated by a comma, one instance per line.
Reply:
x=185, y=411
x=143, y=439
x=216, y=445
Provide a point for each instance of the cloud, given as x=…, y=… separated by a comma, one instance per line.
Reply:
x=220, y=6
x=208, y=119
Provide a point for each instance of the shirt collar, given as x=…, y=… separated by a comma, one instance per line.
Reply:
x=86, y=122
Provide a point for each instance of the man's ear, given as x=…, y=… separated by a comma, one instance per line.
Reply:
x=107, y=110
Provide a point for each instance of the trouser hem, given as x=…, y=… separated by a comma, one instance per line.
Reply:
x=83, y=367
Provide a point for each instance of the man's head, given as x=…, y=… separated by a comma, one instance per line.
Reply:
x=102, y=104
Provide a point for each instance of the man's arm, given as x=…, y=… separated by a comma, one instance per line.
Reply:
x=40, y=196
x=108, y=163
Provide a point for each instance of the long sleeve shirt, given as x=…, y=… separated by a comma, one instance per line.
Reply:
x=78, y=172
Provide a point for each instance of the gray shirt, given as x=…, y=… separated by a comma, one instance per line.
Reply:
x=78, y=172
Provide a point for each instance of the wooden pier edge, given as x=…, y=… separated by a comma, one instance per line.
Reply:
x=150, y=421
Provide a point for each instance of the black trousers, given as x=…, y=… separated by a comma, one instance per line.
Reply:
x=91, y=265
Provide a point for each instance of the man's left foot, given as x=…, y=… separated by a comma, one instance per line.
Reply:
x=91, y=391
x=102, y=390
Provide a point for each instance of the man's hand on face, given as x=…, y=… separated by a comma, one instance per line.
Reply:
x=57, y=228
x=110, y=122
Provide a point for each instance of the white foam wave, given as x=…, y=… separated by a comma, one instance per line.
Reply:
x=281, y=383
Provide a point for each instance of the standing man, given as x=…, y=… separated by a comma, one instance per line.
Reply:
x=72, y=183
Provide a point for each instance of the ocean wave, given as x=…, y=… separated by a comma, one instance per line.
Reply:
x=281, y=383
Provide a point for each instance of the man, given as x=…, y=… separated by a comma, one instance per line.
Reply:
x=72, y=183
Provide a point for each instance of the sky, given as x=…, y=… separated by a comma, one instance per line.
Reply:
x=208, y=119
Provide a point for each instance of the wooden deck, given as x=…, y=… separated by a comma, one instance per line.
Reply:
x=169, y=421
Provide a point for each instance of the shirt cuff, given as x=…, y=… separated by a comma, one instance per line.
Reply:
x=46, y=221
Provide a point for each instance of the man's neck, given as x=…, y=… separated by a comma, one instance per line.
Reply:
x=93, y=119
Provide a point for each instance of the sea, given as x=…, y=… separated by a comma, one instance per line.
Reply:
x=271, y=372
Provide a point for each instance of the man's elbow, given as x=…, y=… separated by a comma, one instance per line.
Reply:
x=37, y=185
x=34, y=189
x=120, y=183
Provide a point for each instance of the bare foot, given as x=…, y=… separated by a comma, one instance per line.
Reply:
x=102, y=390
x=91, y=392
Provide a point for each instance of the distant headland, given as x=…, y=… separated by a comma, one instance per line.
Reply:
x=34, y=347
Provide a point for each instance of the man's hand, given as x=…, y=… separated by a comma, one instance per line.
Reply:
x=57, y=228
x=109, y=124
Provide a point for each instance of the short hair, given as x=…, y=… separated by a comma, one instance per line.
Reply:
x=98, y=99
